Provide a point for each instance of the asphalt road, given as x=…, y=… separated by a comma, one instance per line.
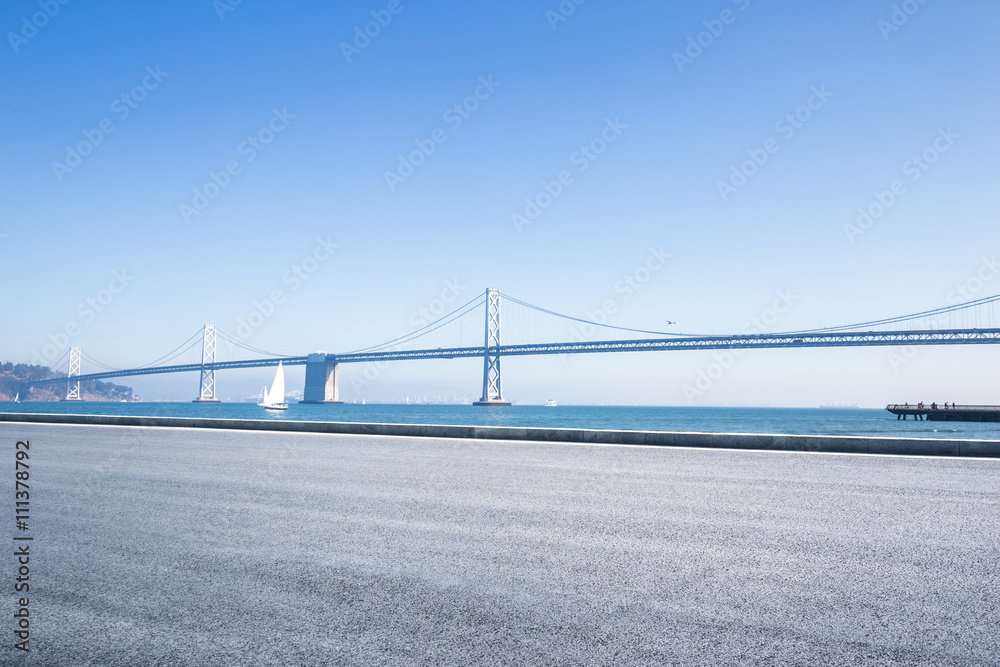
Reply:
x=186, y=547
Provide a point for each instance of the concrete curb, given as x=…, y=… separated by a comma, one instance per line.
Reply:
x=751, y=441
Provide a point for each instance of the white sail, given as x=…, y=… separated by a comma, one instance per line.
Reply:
x=276, y=394
x=17, y=397
x=274, y=398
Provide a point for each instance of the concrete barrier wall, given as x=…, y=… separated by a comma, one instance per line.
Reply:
x=752, y=441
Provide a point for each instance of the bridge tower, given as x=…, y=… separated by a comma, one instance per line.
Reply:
x=73, y=389
x=492, y=386
x=207, y=394
x=321, y=380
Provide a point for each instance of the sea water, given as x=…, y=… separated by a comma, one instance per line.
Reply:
x=801, y=421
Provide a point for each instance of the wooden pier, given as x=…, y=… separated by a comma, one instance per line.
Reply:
x=946, y=412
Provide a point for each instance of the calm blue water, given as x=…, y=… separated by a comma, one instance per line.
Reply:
x=840, y=421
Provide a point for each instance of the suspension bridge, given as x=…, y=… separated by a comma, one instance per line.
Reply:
x=970, y=323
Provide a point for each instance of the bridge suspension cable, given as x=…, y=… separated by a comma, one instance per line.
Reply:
x=90, y=360
x=907, y=318
x=244, y=346
x=57, y=364
x=454, y=315
x=177, y=351
x=577, y=319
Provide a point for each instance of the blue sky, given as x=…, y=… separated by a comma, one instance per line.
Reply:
x=554, y=86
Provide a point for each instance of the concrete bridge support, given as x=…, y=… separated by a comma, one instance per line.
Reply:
x=321, y=381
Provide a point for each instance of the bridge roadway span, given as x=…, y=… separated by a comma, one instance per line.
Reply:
x=755, y=341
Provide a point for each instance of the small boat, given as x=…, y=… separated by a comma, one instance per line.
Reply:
x=17, y=397
x=550, y=402
x=275, y=398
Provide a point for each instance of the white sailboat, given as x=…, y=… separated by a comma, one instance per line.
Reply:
x=17, y=397
x=275, y=398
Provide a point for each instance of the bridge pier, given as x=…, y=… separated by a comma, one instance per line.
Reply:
x=321, y=381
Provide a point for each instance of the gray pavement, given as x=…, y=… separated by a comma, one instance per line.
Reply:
x=194, y=547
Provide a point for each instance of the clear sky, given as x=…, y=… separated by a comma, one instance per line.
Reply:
x=201, y=148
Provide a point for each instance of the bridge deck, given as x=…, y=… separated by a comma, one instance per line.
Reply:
x=746, y=341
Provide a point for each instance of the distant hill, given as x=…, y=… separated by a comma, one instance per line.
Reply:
x=13, y=377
